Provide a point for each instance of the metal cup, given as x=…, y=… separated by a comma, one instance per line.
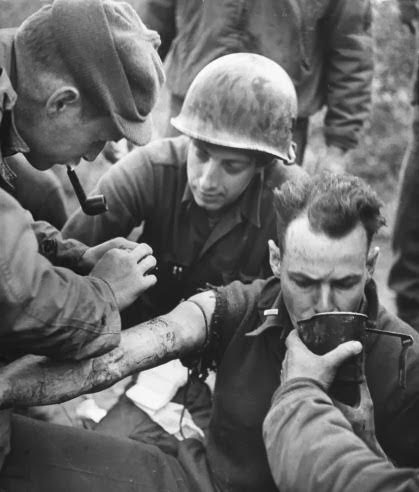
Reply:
x=325, y=331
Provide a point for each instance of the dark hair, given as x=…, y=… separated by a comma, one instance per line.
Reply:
x=263, y=159
x=334, y=204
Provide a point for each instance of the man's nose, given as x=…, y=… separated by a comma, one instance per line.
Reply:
x=324, y=301
x=210, y=175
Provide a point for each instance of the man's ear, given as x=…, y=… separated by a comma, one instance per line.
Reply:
x=62, y=99
x=274, y=258
x=372, y=260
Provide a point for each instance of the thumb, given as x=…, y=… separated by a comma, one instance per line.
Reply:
x=343, y=352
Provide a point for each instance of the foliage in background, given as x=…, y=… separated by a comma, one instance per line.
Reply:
x=387, y=133
x=383, y=143
x=380, y=153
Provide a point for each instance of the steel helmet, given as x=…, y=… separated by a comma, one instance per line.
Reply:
x=242, y=101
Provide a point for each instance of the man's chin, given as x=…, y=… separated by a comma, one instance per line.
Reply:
x=208, y=203
x=41, y=163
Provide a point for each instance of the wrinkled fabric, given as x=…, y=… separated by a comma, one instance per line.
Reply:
x=48, y=310
x=57, y=458
x=324, y=45
x=311, y=446
x=150, y=185
x=249, y=373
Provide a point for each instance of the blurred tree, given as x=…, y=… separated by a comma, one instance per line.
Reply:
x=383, y=143
x=379, y=157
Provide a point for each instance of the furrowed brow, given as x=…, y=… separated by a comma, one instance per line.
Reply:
x=302, y=276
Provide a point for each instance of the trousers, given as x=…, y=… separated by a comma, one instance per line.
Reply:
x=48, y=457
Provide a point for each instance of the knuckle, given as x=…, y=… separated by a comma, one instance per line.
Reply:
x=145, y=247
x=111, y=253
x=119, y=241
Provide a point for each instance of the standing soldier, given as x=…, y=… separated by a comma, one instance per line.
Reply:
x=324, y=45
x=404, y=274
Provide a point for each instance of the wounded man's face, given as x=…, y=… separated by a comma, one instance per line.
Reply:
x=319, y=273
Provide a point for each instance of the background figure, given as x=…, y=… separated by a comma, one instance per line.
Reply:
x=404, y=275
x=325, y=47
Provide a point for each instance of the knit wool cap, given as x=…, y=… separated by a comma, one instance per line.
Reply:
x=113, y=58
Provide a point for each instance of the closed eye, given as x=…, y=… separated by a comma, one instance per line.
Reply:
x=303, y=282
x=234, y=167
x=346, y=283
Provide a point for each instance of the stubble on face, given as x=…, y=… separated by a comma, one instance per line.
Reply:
x=319, y=273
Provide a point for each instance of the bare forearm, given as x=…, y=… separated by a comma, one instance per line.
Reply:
x=34, y=380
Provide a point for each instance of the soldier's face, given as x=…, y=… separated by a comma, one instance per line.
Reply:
x=320, y=274
x=70, y=140
x=62, y=131
x=217, y=176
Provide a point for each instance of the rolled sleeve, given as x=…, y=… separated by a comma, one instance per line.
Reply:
x=44, y=309
x=235, y=305
x=60, y=252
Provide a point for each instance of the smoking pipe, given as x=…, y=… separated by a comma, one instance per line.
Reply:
x=93, y=205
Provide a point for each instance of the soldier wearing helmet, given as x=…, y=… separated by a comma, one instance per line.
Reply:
x=205, y=197
x=324, y=45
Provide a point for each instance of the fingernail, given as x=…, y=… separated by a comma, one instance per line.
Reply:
x=357, y=346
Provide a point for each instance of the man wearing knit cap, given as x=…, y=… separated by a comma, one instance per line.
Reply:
x=74, y=75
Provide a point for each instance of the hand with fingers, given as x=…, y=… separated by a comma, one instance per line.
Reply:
x=95, y=253
x=127, y=272
x=300, y=362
